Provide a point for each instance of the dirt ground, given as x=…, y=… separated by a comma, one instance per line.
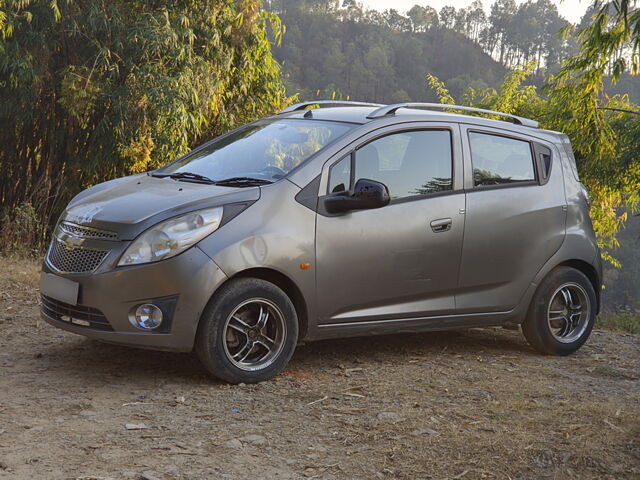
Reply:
x=476, y=404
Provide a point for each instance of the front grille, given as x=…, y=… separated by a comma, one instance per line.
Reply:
x=87, y=232
x=74, y=259
x=75, y=314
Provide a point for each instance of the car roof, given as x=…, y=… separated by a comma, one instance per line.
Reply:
x=359, y=114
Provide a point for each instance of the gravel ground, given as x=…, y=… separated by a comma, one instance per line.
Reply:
x=475, y=404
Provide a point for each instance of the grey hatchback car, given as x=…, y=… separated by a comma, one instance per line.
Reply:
x=333, y=219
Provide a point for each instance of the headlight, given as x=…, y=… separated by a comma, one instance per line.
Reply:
x=171, y=237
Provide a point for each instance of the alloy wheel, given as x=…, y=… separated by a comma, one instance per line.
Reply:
x=254, y=334
x=568, y=312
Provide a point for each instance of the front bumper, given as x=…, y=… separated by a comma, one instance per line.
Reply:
x=188, y=280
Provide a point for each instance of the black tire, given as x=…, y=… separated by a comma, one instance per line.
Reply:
x=246, y=296
x=549, y=326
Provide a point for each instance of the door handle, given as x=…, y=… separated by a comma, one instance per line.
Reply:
x=441, y=225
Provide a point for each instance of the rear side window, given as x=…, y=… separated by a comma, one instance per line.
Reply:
x=500, y=160
x=409, y=163
x=543, y=156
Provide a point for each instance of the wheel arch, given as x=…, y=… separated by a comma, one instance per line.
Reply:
x=288, y=286
x=590, y=272
x=583, y=266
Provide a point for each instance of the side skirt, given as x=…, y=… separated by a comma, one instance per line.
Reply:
x=409, y=325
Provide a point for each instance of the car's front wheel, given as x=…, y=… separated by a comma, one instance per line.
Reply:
x=248, y=332
x=562, y=313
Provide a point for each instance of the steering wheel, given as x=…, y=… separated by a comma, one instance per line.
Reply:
x=276, y=172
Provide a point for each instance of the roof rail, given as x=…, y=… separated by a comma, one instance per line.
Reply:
x=391, y=110
x=336, y=103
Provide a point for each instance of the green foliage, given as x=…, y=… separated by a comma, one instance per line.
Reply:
x=21, y=232
x=441, y=90
x=609, y=41
x=92, y=90
x=607, y=142
x=606, y=145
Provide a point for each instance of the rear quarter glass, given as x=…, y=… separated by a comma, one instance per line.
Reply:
x=566, y=143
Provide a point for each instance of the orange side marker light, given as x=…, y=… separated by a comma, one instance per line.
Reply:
x=305, y=266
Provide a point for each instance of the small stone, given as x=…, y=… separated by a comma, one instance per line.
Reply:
x=254, y=440
x=387, y=416
x=242, y=384
x=235, y=443
x=135, y=426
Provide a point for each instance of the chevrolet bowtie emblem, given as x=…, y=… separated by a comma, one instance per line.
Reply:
x=69, y=240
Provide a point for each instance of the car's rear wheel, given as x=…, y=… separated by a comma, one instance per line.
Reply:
x=248, y=332
x=562, y=313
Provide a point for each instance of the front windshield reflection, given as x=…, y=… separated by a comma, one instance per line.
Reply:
x=267, y=149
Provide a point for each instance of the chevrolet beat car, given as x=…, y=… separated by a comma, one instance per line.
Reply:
x=333, y=219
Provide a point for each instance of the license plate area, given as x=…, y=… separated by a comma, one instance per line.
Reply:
x=59, y=288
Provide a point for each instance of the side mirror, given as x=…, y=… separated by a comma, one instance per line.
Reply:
x=367, y=194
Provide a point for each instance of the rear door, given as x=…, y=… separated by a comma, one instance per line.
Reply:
x=399, y=261
x=515, y=217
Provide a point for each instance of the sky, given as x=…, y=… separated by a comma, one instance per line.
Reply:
x=572, y=10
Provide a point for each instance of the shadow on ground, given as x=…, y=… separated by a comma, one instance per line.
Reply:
x=91, y=359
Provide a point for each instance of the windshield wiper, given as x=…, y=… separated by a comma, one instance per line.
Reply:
x=188, y=176
x=231, y=181
x=243, y=181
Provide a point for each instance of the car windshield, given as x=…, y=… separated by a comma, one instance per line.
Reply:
x=265, y=150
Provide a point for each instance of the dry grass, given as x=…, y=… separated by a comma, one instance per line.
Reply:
x=620, y=322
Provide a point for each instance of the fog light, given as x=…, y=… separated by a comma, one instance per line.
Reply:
x=147, y=317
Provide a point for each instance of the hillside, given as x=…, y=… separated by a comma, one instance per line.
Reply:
x=384, y=55
x=375, y=63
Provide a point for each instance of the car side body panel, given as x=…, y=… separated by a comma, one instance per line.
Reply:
x=276, y=233
x=511, y=231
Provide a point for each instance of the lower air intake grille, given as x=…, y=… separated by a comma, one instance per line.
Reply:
x=75, y=314
x=74, y=260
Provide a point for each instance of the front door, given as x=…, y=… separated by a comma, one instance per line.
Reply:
x=400, y=261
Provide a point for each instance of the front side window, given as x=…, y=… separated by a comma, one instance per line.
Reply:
x=340, y=175
x=500, y=160
x=268, y=149
x=408, y=163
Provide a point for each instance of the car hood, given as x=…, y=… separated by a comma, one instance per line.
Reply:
x=130, y=205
